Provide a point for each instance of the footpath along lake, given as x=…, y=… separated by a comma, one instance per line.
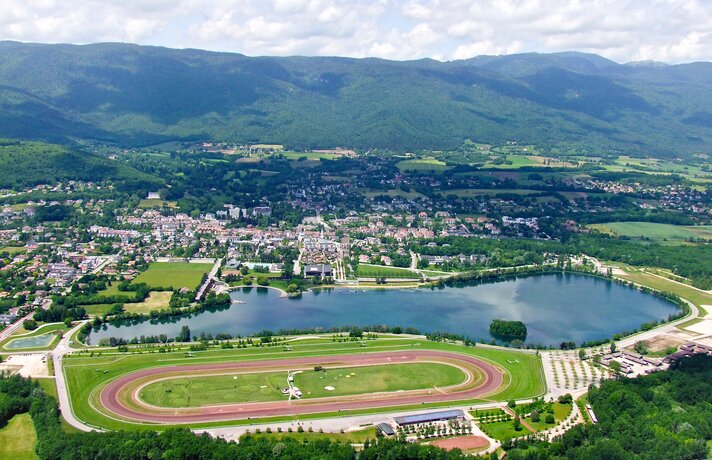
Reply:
x=555, y=308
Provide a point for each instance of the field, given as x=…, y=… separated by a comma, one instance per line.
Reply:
x=487, y=191
x=653, y=231
x=697, y=297
x=355, y=437
x=87, y=376
x=113, y=290
x=18, y=438
x=173, y=274
x=12, y=250
x=422, y=165
x=156, y=203
x=380, y=271
x=156, y=300
x=265, y=386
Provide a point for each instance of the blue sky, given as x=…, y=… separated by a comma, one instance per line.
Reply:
x=623, y=30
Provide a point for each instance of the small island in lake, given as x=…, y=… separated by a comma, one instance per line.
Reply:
x=508, y=330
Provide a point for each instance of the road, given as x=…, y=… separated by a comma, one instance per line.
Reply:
x=8, y=331
x=211, y=277
x=65, y=406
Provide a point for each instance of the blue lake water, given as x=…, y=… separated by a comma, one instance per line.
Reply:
x=555, y=308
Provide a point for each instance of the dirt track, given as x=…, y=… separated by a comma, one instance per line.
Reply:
x=114, y=395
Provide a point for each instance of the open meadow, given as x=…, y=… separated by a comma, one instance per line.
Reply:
x=173, y=274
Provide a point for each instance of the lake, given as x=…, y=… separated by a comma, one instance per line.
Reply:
x=555, y=308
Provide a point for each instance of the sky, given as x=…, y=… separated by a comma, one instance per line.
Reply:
x=670, y=31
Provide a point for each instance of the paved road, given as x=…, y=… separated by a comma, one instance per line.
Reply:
x=65, y=406
x=8, y=331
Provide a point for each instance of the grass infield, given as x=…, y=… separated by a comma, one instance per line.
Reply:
x=266, y=386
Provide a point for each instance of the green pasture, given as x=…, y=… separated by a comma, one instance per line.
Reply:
x=156, y=203
x=422, y=165
x=18, y=438
x=696, y=296
x=86, y=375
x=12, y=250
x=173, y=274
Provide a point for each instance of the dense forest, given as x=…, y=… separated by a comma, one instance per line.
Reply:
x=26, y=164
x=665, y=415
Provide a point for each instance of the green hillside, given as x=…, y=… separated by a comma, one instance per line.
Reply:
x=26, y=164
x=137, y=95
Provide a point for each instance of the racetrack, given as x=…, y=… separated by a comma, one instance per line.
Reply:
x=120, y=398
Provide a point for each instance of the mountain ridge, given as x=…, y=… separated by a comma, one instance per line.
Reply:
x=133, y=95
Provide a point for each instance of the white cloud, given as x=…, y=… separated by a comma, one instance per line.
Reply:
x=623, y=30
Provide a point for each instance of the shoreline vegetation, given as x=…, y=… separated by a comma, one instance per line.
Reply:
x=223, y=301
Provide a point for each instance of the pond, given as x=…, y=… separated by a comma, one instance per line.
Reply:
x=37, y=341
x=555, y=308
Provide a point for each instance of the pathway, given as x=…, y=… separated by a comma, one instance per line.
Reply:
x=65, y=406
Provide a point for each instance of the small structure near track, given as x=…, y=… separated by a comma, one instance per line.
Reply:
x=440, y=416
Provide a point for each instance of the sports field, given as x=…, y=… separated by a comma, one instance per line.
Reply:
x=173, y=274
x=656, y=232
x=383, y=271
x=89, y=376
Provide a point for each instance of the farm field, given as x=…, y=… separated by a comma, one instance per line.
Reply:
x=18, y=438
x=379, y=271
x=422, y=165
x=655, y=231
x=487, y=191
x=87, y=375
x=173, y=274
x=156, y=300
x=266, y=386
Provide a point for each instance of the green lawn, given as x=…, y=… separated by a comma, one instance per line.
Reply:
x=86, y=375
x=351, y=437
x=695, y=296
x=99, y=309
x=503, y=430
x=173, y=274
x=113, y=290
x=654, y=231
x=379, y=271
x=156, y=203
x=13, y=249
x=265, y=386
x=18, y=438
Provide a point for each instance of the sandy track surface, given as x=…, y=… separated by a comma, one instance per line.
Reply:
x=120, y=398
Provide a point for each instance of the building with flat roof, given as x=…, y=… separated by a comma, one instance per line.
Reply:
x=429, y=417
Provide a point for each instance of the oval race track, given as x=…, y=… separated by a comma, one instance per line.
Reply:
x=120, y=397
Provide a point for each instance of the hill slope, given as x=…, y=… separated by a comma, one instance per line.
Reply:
x=136, y=95
x=25, y=164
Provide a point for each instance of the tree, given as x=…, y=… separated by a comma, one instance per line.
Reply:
x=517, y=423
x=536, y=416
x=613, y=346
x=184, y=335
x=29, y=324
x=582, y=354
x=616, y=368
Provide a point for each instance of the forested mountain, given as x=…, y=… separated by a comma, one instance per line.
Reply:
x=137, y=95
